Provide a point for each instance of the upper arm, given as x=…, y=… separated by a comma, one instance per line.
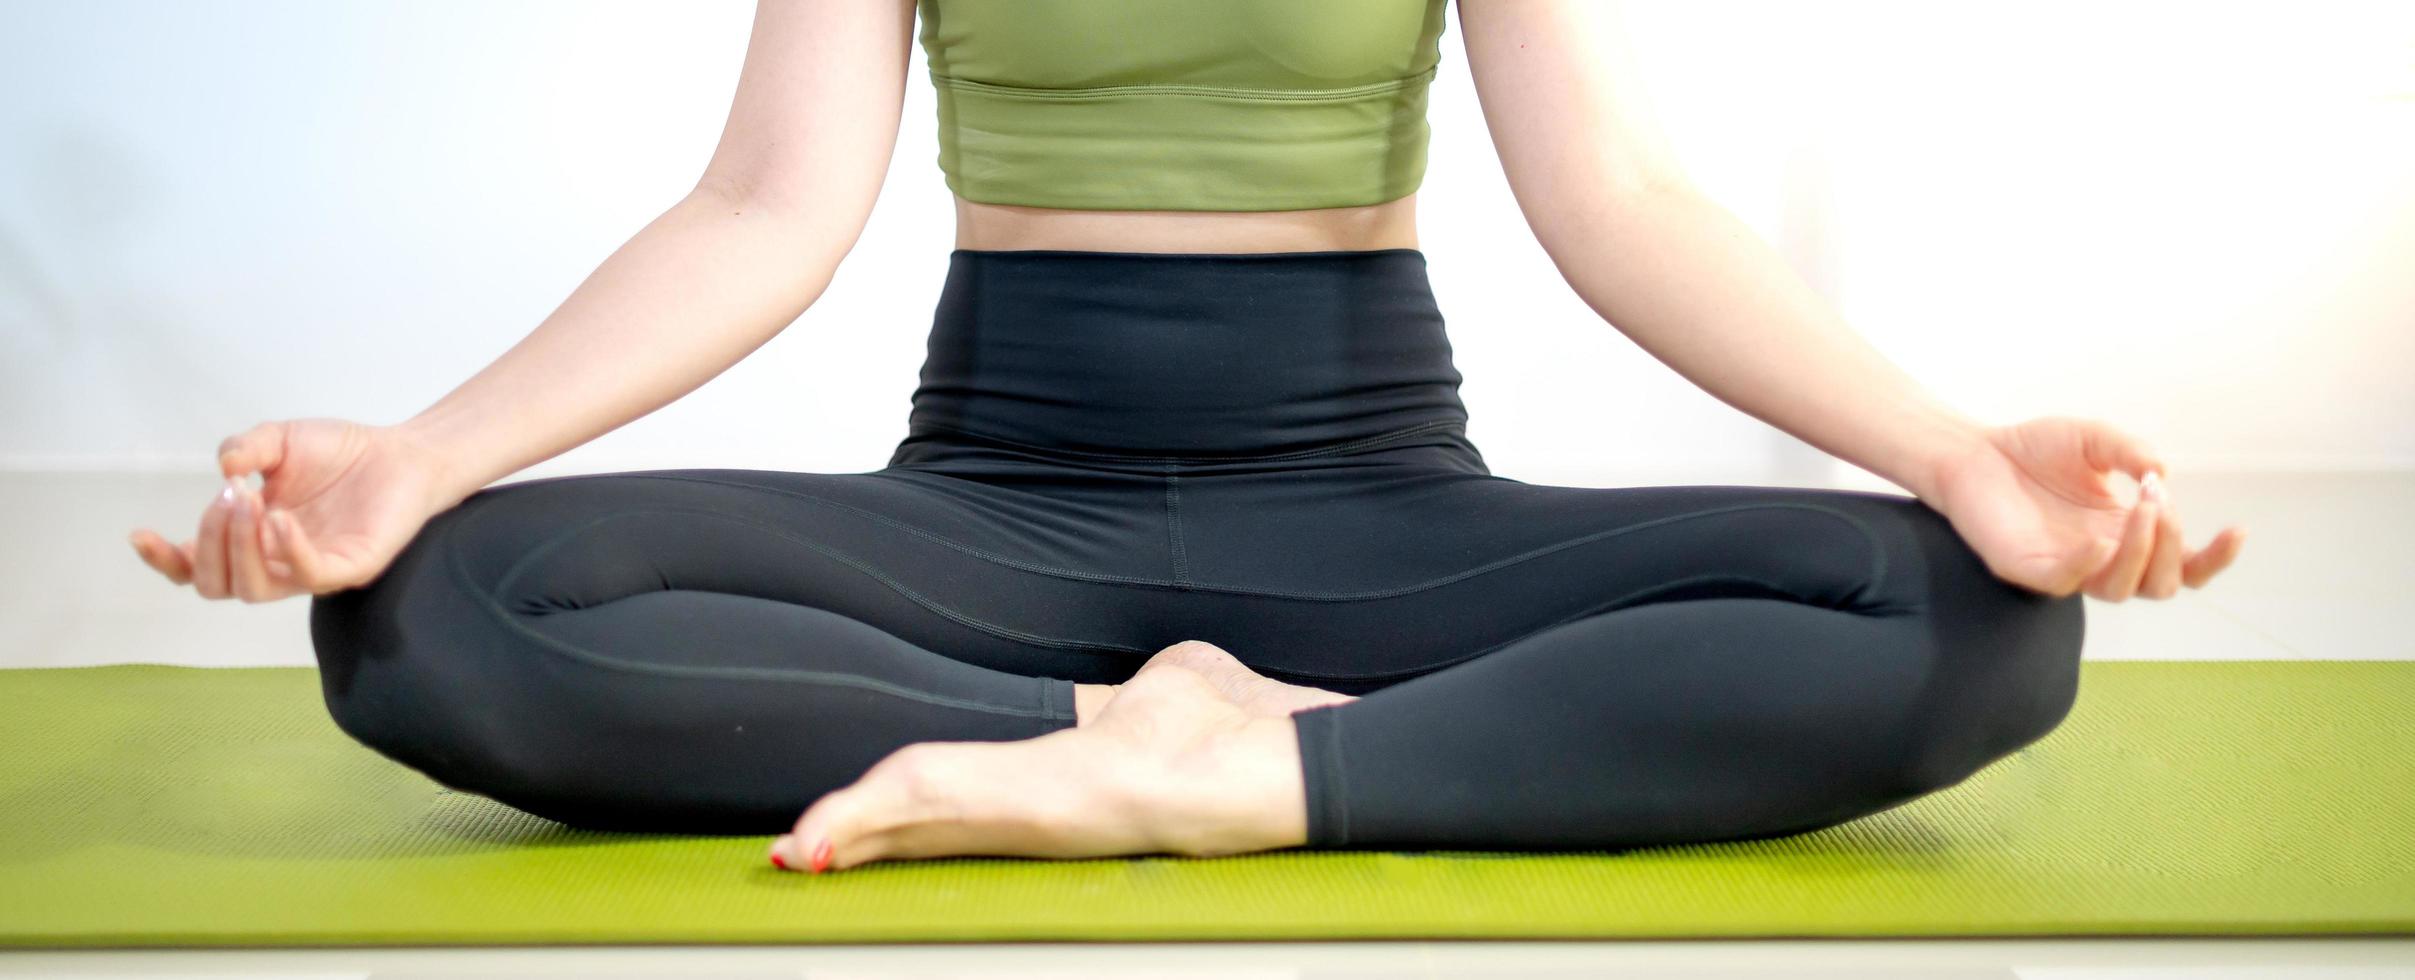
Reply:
x=814, y=122
x=1562, y=96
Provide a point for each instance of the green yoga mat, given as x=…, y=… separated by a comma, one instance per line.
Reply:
x=154, y=806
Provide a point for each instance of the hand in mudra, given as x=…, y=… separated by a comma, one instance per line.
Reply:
x=2035, y=503
x=337, y=502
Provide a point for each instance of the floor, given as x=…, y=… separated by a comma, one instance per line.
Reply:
x=2328, y=573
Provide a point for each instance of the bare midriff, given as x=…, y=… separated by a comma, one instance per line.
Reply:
x=1001, y=227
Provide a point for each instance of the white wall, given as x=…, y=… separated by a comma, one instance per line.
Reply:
x=2195, y=220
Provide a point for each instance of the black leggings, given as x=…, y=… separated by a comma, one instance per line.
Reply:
x=1113, y=452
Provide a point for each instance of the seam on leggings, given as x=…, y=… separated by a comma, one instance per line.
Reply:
x=790, y=675
x=967, y=619
x=1380, y=438
x=1341, y=780
x=1050, y=705
x=543, y=548
x=1876, y=576
x=877, y=575
x=1320, y=730
x=1609, y=605
x=487, y=599
x=1182, y=572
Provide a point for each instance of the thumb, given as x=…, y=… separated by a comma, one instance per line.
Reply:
x=258, y=449
x=2109, y=448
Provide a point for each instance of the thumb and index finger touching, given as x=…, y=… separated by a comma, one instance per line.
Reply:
x=262, y=449
x=2108, y=448
x=259, y=449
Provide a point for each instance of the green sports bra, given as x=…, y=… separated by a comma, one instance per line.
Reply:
x=1182, y=105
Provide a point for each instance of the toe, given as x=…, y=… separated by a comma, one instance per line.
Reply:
x=1239, y=683
x=835, y=832
x=872, y=818
x=1198, y=655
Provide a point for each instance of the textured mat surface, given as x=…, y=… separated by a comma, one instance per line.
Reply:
x=146, y=805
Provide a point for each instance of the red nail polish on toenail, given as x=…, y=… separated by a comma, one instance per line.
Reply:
x=777, y=863
x=821, y=856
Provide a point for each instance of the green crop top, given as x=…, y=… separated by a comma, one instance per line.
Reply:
x=1182, y=105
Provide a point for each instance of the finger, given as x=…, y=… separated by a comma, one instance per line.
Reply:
x=2120, y=578
x=301, y=553
x=158, y=553
x=256, y=450
x=209, y=555
x=272, y=554
x=247, y=577
x=2074, y=572
x=2214, y=557
x=314, y=568
x=2109, y=448
x=2162, y=579
x=153, y=555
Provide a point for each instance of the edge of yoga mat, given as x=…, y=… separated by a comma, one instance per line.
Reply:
x=167, y=806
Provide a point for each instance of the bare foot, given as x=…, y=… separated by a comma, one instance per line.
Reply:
x=1253, y=692
x=1170, y=765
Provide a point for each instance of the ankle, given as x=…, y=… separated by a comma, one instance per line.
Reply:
x=1255, y=798
x=1088, y=700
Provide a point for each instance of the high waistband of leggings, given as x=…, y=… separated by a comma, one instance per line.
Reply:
x=1186, y=355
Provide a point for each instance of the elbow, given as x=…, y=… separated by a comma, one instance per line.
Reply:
x=819, y=226
x=1641, y=180
x=1617, y=200
x=800, y=194
x=738, y=194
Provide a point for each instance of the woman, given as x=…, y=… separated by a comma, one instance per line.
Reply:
x=1186, y=549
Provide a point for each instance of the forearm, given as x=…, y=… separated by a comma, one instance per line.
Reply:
x=699, y=288
x=1699, y=290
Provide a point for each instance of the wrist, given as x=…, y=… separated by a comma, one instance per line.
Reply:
x=448, y=480
x=1932, y=466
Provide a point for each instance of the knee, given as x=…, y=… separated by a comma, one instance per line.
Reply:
x=2019, y=666
x=2055, y=628
x=1996, y=695
x=2002, y=662
x=408, y=691
x=2003, y=653
x=400, y=665
x=365, y=640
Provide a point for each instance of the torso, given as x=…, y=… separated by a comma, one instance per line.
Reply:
x=1183, y=125
x=1391, y=224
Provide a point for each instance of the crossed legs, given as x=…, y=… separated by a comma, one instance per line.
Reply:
x=718, y=651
